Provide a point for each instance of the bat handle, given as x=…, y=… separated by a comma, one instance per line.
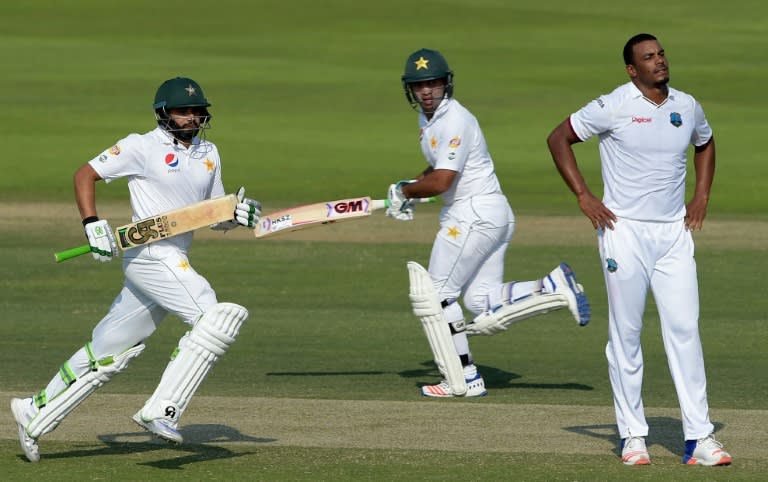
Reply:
x=71, y=253
x=384, y=203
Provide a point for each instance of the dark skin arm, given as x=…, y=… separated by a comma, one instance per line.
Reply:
x=85, y=190
x=704, y=164
x=431, y=182
x=560, y=143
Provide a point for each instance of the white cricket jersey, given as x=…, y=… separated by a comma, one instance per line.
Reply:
x=452, y=139
x=643, y=149
x=162, y=175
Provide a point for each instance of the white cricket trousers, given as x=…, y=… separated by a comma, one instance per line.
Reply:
x=636, y=255
x=468, y=253
x=158, y=280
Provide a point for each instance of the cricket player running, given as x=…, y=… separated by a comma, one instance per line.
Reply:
x=644, y=235
x=476, y=226
x=167, y=168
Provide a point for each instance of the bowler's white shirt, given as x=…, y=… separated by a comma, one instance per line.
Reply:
x=162, y=175
x=452, y=140
x=643, y=149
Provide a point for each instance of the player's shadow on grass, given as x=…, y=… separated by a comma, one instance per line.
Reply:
x=664, y=431
x=196, y=448
x=493, y=377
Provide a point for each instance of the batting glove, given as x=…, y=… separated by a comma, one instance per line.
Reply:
x=400, y=207
x=247, y=211
x=101, y=239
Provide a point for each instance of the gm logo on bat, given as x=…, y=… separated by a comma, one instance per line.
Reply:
x=347, y=207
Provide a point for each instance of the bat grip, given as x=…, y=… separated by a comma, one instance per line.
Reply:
x=71, y=253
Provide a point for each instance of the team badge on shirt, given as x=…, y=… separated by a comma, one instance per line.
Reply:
x=675, y=119
x=433, y=142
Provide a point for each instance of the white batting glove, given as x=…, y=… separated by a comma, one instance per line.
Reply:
x=247, y=211
x=102, y=240
x=400, y=207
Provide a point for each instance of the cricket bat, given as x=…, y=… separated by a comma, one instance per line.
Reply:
x=309, y=215
x=165, y=225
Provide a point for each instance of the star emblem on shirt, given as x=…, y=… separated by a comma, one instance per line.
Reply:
x=433, y=142
x=454, y=232
x=208, y=165
x=184, y=264
x=422, y=63
x=191, y=90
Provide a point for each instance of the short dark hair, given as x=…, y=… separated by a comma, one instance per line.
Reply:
x=641, y=37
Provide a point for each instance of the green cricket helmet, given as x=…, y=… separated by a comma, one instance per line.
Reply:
x=426, y=64
x=178, y=93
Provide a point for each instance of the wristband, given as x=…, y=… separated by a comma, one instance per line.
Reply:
x=90, y=219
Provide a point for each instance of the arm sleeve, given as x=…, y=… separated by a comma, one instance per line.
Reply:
x=702, y=132
x=453, y=150
x=122, y=159
x=217, y=185
x=592, y=119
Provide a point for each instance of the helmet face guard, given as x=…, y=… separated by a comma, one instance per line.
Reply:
x=179, y=93
x=423, y=65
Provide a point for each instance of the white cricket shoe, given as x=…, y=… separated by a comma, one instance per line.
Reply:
x=23, y=417
x=563, y=280
x=706, y=451
x=161, y=427
x=634, y=451
x=475, y=388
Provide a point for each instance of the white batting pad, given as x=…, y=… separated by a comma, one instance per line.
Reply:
x=199, y=349
x=499, y=319
x=49, y=416
x=426, y=307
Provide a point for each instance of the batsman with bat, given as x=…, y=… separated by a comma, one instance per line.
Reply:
x=168, y=168
x=476, y=226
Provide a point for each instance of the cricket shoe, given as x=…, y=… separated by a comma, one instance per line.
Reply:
x=634, y=451
x=22, y=415
x=161, y=427
x=706, y=451
x=562, y=280
x=475, y=388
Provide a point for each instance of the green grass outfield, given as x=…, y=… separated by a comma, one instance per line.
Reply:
x=322, y=383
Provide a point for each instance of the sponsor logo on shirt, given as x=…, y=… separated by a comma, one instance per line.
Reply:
x=611, y=265
x=114, y=150
x=675, y=119
x=641, y=120
x=454, y=142
x=171, y=160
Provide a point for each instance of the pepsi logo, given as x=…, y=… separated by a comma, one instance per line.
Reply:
x=171, y=160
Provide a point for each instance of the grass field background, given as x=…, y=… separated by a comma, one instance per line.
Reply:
x=308, y=106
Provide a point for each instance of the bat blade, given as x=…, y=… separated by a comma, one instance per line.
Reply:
x=318, y=214
x=165, y=225
x=301, y=217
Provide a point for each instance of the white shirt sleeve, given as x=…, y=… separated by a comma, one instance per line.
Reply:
x=702, y=132
x=123, y=159
x=592, y=119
